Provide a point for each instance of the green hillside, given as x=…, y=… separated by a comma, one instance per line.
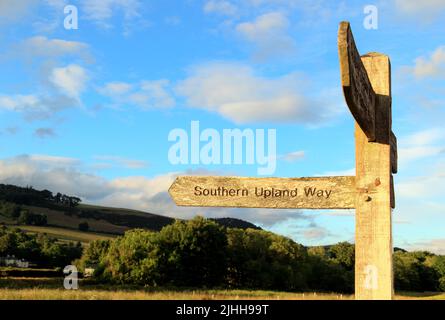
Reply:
x=42, y=211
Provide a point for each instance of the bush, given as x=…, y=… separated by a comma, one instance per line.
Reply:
x=9, y=210
x=84, y=226
x=27, y=218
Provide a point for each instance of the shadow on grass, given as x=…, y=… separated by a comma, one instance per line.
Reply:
x=418, y=294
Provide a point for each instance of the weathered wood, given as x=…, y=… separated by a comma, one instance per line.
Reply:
x=373, y=236
x=394, y=156
x=279, y=193
x=357, y=88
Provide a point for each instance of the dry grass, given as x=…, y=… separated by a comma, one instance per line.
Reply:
x=61, y=294
x=51, y=289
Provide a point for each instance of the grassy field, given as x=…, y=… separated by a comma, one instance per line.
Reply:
x=51, y=289
x=58, y=218
x=67, y=234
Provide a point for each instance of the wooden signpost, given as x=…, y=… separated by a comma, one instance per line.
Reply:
x=366, y=82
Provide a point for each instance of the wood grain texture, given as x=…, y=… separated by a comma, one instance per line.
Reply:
x=286, y=193
x=373, y=238
x=357, y=89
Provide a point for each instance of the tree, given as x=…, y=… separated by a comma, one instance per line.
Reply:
x=27, y=218
x=74, y=201
x=344, y=254
x=413, y=273
x=39, y=249
x=84, y=226
x=9, y=210
x=39, y=219
x=193, y=253
x=133, y=258
x=260, y=259
x=438, y=264
x=94, y=255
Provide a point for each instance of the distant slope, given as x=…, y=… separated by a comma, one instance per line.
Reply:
x=64, y=211
x=236, y=223
x=117, y=220
x=66, y=234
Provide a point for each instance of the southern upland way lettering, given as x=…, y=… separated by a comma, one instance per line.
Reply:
x=309, y=193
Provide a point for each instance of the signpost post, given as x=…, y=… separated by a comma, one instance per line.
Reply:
x=366, y=82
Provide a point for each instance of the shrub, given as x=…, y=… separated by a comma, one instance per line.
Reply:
x=84, y=226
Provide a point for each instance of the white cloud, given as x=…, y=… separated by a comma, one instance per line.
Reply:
x=145, y=95
x=50, y=160
x=70, y=80
x=235, y=92
x=422, y=144
x=220, y=7
x=18, y=102
x=268, y=33
x=264, y=25
x=315, y=233
x=36, y=107
x=433, y=67
x=53, y=173
x=426, y=9
x=122, y=162
x=155, y=94
x=425, y=137
x=55, y=85
x=293, y=156
x=422, y=187
x=115, y=89
x=436, y=246
x=102, y=11
x=14, y=10
x=410, y=154
x=41, y=46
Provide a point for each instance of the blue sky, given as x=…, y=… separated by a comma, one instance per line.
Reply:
x=88, y=111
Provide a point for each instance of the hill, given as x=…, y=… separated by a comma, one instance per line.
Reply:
x=27, y=206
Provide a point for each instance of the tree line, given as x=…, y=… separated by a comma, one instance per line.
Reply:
x=201, y=253
x=30, y=196
x=39, y=249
